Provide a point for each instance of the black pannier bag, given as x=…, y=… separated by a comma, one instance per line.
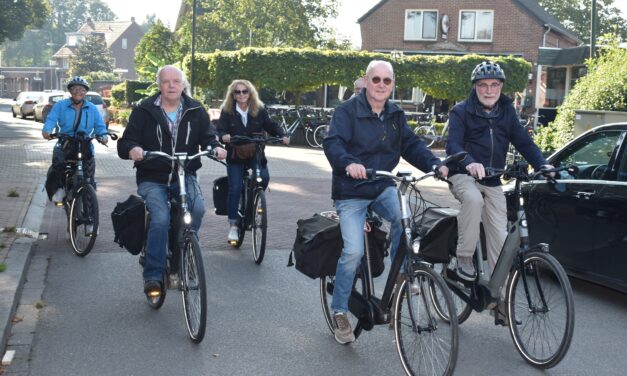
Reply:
x=438, y=229
x=220, y=195
x=318, y=246
x=129, y=224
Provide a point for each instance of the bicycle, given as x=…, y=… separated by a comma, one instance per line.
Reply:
x=252, y=209
x=308, y=127
x=80, y=201
x=513, y=155
x=538, y=299
x=408, y=299
x=184, y=256
x=428, y=133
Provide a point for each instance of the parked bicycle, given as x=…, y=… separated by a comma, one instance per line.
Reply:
x=427, y=131
x=310, y=122
x=184, y=258
x=253, y=211
x=527, y=282
x=527, y=122
x=80, y=201
x=426, y=343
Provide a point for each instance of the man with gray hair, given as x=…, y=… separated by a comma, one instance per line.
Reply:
x=368, y=131
x=358, y=86
x=172, y=122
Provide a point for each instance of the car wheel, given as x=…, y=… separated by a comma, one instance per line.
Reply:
x=13, y=112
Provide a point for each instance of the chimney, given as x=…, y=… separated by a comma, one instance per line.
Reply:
x=133, y=19
x=90, y=22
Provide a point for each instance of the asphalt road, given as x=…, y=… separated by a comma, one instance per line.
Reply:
x=263, y=320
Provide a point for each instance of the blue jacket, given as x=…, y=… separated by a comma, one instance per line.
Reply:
x=357, y=135
x=62, y=116
x=485, y=138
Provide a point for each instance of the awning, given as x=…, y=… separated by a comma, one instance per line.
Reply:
x=563, y=56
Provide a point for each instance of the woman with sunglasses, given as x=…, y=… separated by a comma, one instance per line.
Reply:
x=243, y=114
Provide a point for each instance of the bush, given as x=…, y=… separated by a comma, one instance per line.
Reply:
x=603, y=88
x=125, y=94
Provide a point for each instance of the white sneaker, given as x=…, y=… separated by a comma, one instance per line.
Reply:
x=233, y=234
x=58, y=195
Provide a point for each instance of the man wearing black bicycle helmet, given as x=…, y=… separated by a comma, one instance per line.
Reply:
x=68, y=117
x=484, y=125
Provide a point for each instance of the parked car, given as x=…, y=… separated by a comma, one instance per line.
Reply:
x=585, y=222
x=97, y=100
x=44, y=104
x=24, y=102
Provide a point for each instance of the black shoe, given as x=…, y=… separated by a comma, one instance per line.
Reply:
x=153, y=289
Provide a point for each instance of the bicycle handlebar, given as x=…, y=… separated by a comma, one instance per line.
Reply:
x=83, y=136
x=257, y=140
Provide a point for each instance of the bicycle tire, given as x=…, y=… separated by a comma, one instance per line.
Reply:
x=241, y=211
x=426, y=134
x=326, y=296
x=193, y=289
x=320, y=133
x=309, y=135
x=259, y=225
x=83, y=213
x=462, y=308
x=546, y=278
x=434, y=341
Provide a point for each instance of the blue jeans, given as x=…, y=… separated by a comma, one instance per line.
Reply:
x=156, y=197
x=235, y=172
x=352, y=214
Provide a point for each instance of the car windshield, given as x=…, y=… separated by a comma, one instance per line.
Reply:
x=55, y=98
x=95, y=99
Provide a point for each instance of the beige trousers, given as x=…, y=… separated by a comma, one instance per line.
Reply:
x=479, y=203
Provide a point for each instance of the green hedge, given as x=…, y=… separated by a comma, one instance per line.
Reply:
x=124, y=94
x=301, y=70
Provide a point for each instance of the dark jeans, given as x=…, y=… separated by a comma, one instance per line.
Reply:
x=235, y=172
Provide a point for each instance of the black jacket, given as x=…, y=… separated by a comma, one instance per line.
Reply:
x=232, y=124
x=147, y=127
x=357, y=135
x=485, y=138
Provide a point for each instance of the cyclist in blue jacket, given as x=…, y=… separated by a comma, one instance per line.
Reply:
x=368, y=131
x=70, y=116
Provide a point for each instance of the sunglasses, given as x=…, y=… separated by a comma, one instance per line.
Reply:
x=238, y=92
x=376, y=79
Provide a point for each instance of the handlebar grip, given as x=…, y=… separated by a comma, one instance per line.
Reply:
x=370, y=173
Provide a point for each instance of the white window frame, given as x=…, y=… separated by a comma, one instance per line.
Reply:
x=124, y=43
x=422, y=11
x=474, y=39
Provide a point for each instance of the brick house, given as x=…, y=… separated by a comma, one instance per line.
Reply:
x=489, y=27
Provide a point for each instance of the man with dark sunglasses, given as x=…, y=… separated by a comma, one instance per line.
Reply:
x=368, y=131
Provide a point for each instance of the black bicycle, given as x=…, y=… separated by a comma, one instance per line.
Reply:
x=252, y=209
x=184, y=267
x=80, y=201
x=528, y=288
x=426, y=343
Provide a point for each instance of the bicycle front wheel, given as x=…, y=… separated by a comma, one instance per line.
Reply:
x=426, y=343
x=320, y=133
x=194, y=289
x=426, y=134
x=309, y=136
x=541, y=310
x=83, y=220
x=259, y=226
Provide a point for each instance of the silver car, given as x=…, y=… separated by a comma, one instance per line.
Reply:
x=24, y=102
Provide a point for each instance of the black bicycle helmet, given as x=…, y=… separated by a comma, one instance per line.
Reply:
x=485, y=70
x=78, y=80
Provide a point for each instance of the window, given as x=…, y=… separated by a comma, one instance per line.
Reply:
x=124, y=44
x=591, y=155
x=72, y=40
x=476, y=25
x=552, y=86
x=421, y=24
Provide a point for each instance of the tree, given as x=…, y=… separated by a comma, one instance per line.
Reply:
x=91, y=55
x=575, y=15
x=17, y=16
x=159, y=45
x=233, y=24
x=149, y=22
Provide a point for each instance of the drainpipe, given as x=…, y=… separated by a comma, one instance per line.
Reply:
x=548, y=30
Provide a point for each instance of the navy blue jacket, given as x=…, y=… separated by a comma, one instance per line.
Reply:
x=357, y=135
x=487, y=139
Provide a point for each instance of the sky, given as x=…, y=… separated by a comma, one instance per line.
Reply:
x=167, y=11
x=345, y=23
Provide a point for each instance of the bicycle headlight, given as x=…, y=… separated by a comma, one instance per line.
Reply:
x=187, y=218
x=258, y=179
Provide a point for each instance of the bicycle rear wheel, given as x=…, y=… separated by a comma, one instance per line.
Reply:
x=541, y=310
x=462, y=308
x=83, y=220
x=241, y=211
x=309, y=135
x=259, y=225
x=194, y=289
x=426, y=134
x=326, y=297
x=426, y=344
x=320, y=133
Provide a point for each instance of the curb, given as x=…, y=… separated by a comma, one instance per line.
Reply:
x=18, y=261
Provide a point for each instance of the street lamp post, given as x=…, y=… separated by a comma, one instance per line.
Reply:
x=191, y=79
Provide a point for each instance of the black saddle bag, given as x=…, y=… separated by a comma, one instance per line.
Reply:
x=220, y=195
x=129, y=224
x=438, y=229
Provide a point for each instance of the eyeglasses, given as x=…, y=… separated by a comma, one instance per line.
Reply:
x=78, y=89
x=493, y=86
x=376, y=79
x=240, y=92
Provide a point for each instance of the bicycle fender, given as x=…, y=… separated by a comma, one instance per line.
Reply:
x=540, y=247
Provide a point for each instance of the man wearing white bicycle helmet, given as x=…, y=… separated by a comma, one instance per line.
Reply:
x=484, y=125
